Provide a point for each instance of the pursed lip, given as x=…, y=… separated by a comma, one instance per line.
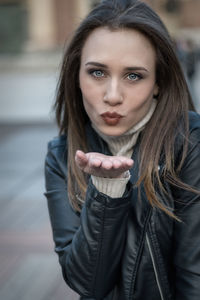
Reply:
x=112, y=115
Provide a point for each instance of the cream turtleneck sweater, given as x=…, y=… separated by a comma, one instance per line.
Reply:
x=120, y=146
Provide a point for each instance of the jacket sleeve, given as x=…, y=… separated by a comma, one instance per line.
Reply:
x=89, y=246
x=187, y=233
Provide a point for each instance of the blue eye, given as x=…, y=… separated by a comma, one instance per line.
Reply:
x=97, y=73
x=133, y=76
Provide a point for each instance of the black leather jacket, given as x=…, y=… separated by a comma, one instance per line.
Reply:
x=122, y=248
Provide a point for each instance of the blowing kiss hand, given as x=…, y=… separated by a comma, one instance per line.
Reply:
x=101, y=165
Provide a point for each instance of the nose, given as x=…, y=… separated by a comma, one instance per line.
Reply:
x=113, y=95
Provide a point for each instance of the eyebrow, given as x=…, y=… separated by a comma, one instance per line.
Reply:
x=97, y=64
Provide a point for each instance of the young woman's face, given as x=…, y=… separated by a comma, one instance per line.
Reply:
x=117, y=79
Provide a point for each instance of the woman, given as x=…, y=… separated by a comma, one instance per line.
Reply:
x=123, y=178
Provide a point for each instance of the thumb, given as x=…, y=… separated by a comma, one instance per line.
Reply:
x=81, y=159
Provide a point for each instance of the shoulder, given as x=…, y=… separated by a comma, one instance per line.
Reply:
x=57, y=152
x=58, y=145
x=193, y=138
x=194, y=121
x=192, y=159
x=57, y=142
x=194, y=128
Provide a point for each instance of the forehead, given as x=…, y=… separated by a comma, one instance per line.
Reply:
x=124, y=46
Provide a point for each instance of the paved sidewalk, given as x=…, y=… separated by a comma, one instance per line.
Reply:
x=29, y=267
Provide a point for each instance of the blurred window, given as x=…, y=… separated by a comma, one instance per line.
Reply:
x=13, y=26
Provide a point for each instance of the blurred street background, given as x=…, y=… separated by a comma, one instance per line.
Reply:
x=33, y=34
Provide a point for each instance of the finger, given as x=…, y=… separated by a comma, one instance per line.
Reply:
x=129, y=162
x=123, y=163
x=94, y=162
x=117, y=164
x=81, y=159
x=106, y=164
x=126, y=160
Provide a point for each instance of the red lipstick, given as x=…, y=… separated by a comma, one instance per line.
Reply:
x=111, y=118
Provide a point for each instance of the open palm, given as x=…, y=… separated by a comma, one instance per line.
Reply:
x=101, y=165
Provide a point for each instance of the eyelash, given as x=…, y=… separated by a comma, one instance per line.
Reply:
x=92, y=73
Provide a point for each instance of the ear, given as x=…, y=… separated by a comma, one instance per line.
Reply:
x=156, y=90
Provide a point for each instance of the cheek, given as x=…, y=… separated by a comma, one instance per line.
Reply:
x=84, y=85
x=90, y=102
x=91, y=97
x=87, y=103
x=145, y=90
x=140, y=96
x=88, y=88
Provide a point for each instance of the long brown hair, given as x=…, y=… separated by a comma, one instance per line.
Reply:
x=171, y=113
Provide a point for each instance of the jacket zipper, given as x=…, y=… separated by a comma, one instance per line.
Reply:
x=154, y=267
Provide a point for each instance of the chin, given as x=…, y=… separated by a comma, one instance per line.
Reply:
x=112, y=130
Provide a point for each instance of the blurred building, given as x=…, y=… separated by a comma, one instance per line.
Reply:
x=36, y=29
x=38, y=24
x=180, y=16
x=46, y=24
